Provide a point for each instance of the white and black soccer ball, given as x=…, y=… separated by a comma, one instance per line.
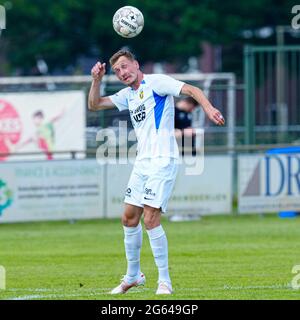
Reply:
x=128, y=21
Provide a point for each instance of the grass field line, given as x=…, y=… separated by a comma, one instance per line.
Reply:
x=225, y=287
x=272, y=286
x=53, y=289
x=86, y=292
x=53, y=296
x=66, y=295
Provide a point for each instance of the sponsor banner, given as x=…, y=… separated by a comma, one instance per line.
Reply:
x=116, y=187
x=268, y=183
x=55, y=190
x=205, y=194
x=43, y=123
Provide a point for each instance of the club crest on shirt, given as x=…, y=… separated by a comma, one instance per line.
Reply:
x=141, y=94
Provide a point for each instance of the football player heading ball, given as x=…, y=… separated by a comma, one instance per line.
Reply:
x=149, y=99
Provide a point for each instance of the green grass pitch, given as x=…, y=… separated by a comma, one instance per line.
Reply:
x=217, y=257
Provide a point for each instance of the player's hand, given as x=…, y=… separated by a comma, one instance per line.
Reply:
x=98, y=71
x=216, y=116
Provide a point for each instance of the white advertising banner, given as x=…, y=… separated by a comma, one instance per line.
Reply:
x=205, y=194
x=55, y=190
x=268, y=183
x=117, y=179
x=41, y=122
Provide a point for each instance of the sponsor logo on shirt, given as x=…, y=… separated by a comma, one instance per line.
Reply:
x=139, y=114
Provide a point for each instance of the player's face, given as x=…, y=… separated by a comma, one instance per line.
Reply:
x=126, y=70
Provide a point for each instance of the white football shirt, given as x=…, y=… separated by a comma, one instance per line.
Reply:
x=151, y=109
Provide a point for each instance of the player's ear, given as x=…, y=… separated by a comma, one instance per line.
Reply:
x=137, y=64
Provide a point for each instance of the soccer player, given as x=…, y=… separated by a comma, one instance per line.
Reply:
x=149, y=99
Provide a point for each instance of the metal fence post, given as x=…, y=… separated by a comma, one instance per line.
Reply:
x=249, y=114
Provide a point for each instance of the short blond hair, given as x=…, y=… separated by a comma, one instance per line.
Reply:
x=121, y=53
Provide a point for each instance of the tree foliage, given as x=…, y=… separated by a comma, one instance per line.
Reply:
x=61, y=31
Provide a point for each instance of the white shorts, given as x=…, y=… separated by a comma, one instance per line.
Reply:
x=151, y=182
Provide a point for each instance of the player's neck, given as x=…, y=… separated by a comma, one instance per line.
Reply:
x=138, y=81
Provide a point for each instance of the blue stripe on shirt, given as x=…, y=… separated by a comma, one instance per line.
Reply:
x=158, y=108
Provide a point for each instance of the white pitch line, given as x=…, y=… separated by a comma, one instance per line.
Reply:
x=53, y=289
x=53, y=296
x=33, y=289
x=272, y=286
x=58, y=293
x=225, y=287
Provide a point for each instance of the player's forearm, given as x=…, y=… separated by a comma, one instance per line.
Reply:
x=94, y=95
x=203, y=101
x=200, y=97
x=196, y=93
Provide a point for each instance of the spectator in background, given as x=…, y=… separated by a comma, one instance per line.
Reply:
x=185, y=110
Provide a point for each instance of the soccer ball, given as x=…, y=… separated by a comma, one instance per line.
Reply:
x=128, y=21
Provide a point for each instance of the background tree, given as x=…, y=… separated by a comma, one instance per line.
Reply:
x=61, y=31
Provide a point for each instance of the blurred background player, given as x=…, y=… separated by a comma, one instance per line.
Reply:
x=187, y=115
x=149, y=99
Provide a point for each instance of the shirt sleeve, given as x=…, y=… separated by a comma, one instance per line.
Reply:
x=166, y=85
x=119, y=99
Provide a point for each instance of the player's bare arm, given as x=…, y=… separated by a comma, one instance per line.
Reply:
x=213, y=114
x=96, y=102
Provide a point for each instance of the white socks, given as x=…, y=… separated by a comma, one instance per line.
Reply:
x=159, y=245
x=133, y=243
